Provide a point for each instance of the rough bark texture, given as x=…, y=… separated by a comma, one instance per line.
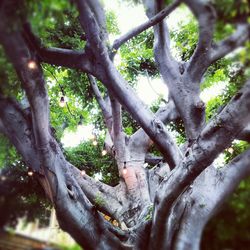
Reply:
x=167, y=206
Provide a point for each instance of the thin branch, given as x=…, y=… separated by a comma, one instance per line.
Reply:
x=142, y=27
x=106, y=111
x=118, y=134
x=237, y=39
x=161, y=34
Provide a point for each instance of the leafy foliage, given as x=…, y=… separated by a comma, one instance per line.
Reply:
x=16, y=198
x=60, y=28
x=86, y=157
x=230, y=227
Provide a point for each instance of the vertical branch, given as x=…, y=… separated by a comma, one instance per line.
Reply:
x=104, y=105
x=119, y=136
x=182, y=87
x=205, y=14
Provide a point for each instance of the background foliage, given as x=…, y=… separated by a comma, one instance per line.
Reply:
x=56, y=22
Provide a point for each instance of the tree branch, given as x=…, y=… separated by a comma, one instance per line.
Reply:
x=208, y=193
x=161, y=33
x=205, y=14
x=215, y=137
x=141, y=140
x=17, y=127
x=32, y=81
x=74, y=211
x=244, y=134
x=106, y=110
x=90, y=21
x=100, y=194
x=137, y=30
x=237, y=39
x=56, y=56
x=182, y=89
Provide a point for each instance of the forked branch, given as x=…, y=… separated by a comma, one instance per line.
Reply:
x=214, y=138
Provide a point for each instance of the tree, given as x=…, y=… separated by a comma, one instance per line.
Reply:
x=165, y=207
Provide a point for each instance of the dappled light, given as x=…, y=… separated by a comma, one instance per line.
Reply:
x=124, y=124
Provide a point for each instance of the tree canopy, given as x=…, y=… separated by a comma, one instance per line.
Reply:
x=61, y=69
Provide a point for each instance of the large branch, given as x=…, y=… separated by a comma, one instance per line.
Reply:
x=208, y=193
x=161, y=33
x=237, y=39
x=32, y=81
x=108, y=75
x=65, y=58
x=205, y=15
x=118, y=133
x=17, y=127
x=244, y=134
x=57, y=56
x=182, y=89
x=74, y=211
x=151, y=22
x=90, y=22
x=215, y=137
x=101, y=195
x=165, y=114
x=201, y=201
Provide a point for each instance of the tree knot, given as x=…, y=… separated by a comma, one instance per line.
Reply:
x=159, y=127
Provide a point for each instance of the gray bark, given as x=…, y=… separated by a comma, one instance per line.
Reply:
x=163, y=208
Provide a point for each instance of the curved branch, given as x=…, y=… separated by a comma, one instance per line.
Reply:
x=96, y=191
x=17, y=127
x=56, y=56
x=183, y=90
x=32, y=81
x=166, y=114
x=237, y=39
x=92, y=25
x=206, y=196
x=215, y=137
x=205, y=15
x=137, y=30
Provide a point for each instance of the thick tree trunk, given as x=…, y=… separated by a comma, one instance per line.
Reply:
x=157, y=208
